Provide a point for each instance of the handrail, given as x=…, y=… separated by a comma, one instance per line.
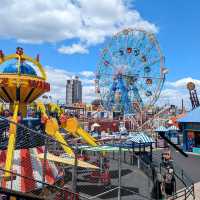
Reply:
x=189, y=186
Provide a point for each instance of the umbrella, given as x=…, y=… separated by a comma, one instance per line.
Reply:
x=173, y=128
x=141, y=138
x=161, y=129
x=94, y=125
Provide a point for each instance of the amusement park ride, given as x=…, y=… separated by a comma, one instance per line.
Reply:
x=130, y=72
x=131, y=75
x=129, y=79
x=20, y=85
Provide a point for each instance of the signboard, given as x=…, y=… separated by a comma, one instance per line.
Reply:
x=39, y=84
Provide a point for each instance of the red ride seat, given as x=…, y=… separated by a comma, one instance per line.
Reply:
x=105, y=178
x=95, y=176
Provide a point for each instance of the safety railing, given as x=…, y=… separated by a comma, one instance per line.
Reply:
x=184, y=193
x=188, y=190
x=50, y=191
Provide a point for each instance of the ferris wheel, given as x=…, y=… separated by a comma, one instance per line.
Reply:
x=130, y=72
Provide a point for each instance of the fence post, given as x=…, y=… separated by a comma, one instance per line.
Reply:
x=139, y=148
x=45, y=161
x=193, y=191
x=119, y=171
x=138, y=162
x=74, y=172
x=151, y=152
x=133, y=149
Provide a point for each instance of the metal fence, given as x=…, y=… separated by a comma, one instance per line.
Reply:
x=120, y=181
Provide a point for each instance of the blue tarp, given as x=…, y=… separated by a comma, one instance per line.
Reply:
x=192, y=116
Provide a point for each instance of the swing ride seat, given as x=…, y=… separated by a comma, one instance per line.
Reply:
x=95, y=176
x=106, y=178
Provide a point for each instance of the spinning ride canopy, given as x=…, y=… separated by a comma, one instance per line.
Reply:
x=130, y=72
x=19, y=81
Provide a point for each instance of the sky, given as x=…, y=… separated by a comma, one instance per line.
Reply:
x=69, y=34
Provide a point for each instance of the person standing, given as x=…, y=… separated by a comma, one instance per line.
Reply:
x=169, y=181
x=158, y=188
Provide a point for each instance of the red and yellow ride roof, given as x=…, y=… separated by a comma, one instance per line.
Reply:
x=19, y=80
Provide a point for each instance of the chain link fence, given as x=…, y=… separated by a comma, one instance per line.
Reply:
x=121, y=174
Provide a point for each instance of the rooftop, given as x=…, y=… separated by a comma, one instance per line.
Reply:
x=192, y=116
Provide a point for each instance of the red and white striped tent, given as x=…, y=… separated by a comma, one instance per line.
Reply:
x=27, y=164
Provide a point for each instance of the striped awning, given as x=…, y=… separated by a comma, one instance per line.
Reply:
x=140, y=138
x=101, y=148
x=161, y=129
x=173, y=128
x=26, y=164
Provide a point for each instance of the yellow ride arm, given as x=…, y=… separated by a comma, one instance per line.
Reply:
x=52, y=129
x=41, y=108
x=11, y=142
x=55, y=108
x=73, y=127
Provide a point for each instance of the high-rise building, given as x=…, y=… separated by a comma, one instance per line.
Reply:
x=73, y=91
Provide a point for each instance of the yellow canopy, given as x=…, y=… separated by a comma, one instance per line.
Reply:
x=68, y=161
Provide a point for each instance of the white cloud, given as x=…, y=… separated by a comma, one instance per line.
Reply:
x=89, y=93
x=88, y=22
x=87, y=74
x=75, y=48
x=57, y=79
x=86, y=81
x=175, y=91
x=182, y=83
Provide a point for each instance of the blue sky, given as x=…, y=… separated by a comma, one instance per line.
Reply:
x=68, y=36
x=178, y=23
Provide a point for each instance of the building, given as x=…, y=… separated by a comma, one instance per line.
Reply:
x=190, y=126
x=73, y=91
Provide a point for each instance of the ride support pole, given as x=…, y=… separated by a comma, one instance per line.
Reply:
x=74, y=172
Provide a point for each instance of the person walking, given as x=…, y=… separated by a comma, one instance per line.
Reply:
x=169, y=182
